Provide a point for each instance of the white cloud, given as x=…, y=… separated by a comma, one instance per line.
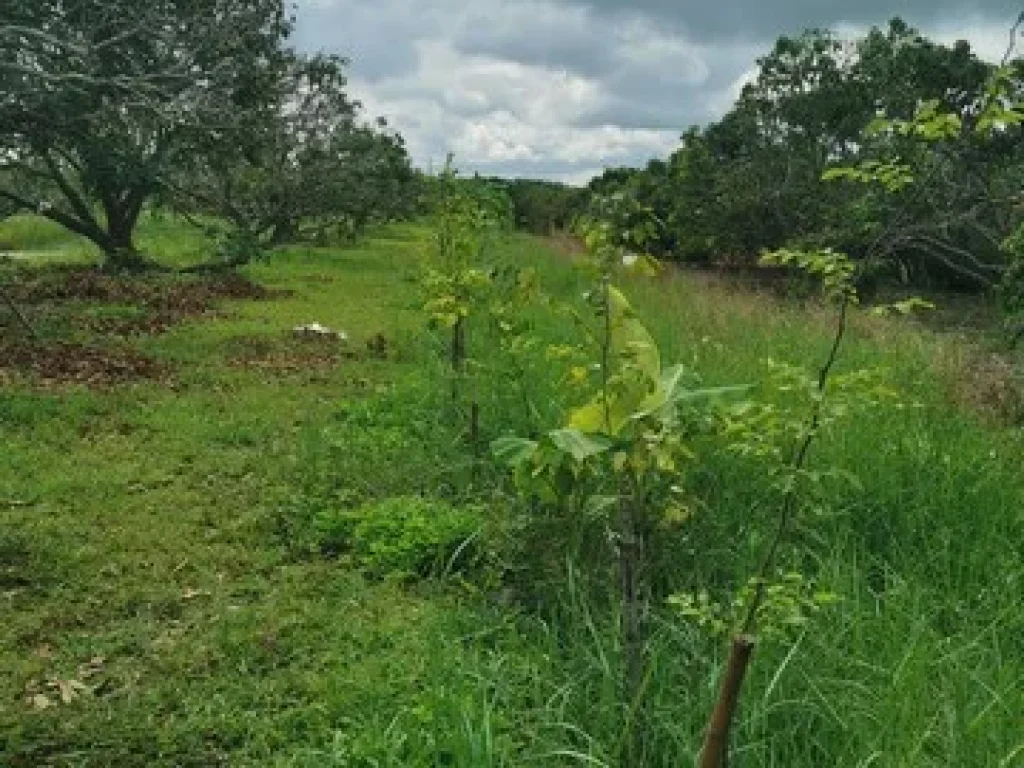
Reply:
x=559, y=88
x=491, y=112
x=988, y=39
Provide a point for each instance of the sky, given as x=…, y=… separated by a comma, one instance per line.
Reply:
x=561, y=89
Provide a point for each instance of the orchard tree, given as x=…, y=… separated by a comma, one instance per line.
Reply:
x=312, y=165
x=754, y=179
x=543, y=207
x=101, y=99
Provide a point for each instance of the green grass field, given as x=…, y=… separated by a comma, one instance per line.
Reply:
x=163, y=604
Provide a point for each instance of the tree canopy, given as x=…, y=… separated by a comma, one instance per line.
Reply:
x=310, y=166
x=753, y=180
x=106, y=104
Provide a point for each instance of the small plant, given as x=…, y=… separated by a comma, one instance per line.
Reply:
x=459, y=285
x=619, y=460
x=779, y=439
x=402, y=537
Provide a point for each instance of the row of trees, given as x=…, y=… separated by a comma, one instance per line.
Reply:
x=543, y=207
x=759, y=178
x=107, y=106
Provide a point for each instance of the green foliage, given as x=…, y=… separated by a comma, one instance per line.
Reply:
x=121, y=111
x=905, y=307
x=195, y=104
x=835, y=271
x=1003, y=107
x=617, y=465
x=140, y=524
x=892, y=175
x=624, y=221
x=470, y=217
x=543, y=207
x=789, y=605
x=929, y=133
x=313, y=169
x=931, y=123
x=402, y=537
x=1011, y=290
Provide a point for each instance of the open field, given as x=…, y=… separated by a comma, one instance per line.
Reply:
x=165, y=600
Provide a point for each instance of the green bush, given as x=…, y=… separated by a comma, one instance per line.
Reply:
x=1011, y=290
x=404, y=536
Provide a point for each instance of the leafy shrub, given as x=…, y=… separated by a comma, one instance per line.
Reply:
x=1011, y=290
x=402, y=536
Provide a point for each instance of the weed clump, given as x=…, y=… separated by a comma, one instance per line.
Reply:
x=403, y=536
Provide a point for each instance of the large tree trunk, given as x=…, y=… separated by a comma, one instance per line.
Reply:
x=119, y=241
x=115, y=240
x=120, y=253
x=284, y=232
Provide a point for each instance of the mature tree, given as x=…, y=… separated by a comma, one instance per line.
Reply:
x=100, y=99
x=310, y=166
x=753, y=180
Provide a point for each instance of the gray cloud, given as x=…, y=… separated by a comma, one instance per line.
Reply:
x=560, y=36
x=560, y=88
x=753, y=20
x=377, y=37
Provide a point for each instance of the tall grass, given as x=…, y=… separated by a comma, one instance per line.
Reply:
x=921, y=662
x=121, y=502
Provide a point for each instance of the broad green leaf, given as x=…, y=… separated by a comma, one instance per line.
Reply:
x=670, y=393
x=840, y=173
x=630, y=339
x=590, y=418
x=579, y=445
x=597, y=506
x=513, y=450
x=644, y=265
x=877, y=126
x=664, y=394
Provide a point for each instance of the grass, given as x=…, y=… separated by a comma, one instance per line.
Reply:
x=34, y=239
x=155, y=546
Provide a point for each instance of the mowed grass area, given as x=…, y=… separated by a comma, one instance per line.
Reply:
x=154, y=546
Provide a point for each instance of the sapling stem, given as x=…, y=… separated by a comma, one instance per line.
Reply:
x=715, y=753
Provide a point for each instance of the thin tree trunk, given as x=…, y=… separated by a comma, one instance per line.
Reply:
x=458, y=354
x=716, y=740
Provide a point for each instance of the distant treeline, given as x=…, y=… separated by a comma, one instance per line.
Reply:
x=941, y=208
x=543, y=207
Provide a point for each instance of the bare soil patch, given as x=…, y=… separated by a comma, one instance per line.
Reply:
x=290, y=353
x=165, y=299
x=287, y=353
x=59, y=363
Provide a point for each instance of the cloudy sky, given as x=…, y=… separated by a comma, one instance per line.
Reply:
x=563, y=88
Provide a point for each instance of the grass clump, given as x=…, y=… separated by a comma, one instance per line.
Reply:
x=402, y=537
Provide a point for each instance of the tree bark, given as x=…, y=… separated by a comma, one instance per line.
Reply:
x=119, y=246
x=716, y=741
x=284, y=232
